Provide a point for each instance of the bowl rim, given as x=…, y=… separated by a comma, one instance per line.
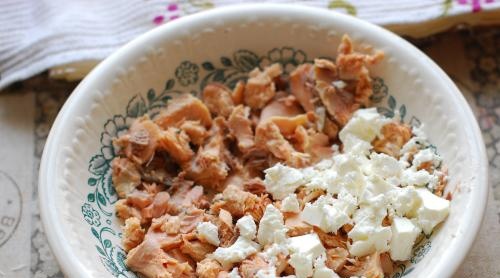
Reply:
x=72, y=266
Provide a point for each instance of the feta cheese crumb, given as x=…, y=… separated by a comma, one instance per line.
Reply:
x=208, y=232
x=433, y=210
x=321, y=270
x=412, y=177
x=308, y=244
x=384, y=165
x=271, y=253
x=246, y=226
x=404, y=201
x=365, y=124
x=303, y=265
x=281, y=180
x=404, y=234
x=290, y=204
x=240, y=250
x=271, y=227
x=330, y=214
x=234, y=273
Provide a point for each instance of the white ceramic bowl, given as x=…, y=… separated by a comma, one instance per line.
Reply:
x=76, y=194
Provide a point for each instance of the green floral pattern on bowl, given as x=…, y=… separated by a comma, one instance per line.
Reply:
x=98, y=210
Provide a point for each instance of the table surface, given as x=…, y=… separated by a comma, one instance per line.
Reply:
x=470, y=56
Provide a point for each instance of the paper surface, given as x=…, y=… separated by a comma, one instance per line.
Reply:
x=27, y=112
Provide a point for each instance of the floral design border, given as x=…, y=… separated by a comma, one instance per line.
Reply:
x=98, y=213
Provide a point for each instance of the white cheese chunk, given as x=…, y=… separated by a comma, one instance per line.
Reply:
x=303, y=265
x=365, y=124
x=246, y=226
x=321, y=270
x=271, y=253
x=290, y=204
x=234, y=273
x=385, y=166
x=271, y=227
x=308, y=244
x=208, y=232
x=404, y=201
x=432, y=211
x=404, y=234
x=417, y=178
x=425, y=155
x=330, y=214
x=281, y=180
x=240, y=250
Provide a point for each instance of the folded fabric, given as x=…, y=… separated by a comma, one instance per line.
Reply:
x=39, y=35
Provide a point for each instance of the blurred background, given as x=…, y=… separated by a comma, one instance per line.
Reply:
x=48, y=46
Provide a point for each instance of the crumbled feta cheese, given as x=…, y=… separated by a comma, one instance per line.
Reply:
x=246, y=226
x=281, y=180
x=330, y=214
x=423, y=156
x=365, y=124
x=412, y=177
x=234, y=273
x=208, y=232
x=432, y=211
x=321, y=270
x=240, y=250
x=271, y=227
x=303, y=265
x=368, y=235
x=308, y=244
x=375, y=186
x=384, y=165
x=339, y=84
x=404, y=234
x=271, y=253
x=269, y=272
x=404, y=201
x=290, y=204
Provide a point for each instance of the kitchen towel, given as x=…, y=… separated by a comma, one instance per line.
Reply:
x=72, y=36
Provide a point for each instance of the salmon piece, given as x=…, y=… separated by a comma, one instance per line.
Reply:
x=338, y=103
x=255, y=186
x=386, y=263
x=184, y=108
x=282, y=107
x=330, y=129
x=195, y=131
x=150, y=260
x=241, y=128
x=336, y=258
x=126, y=177
x=239, y=203
x=141, y=141
x=363, y=89
x=208, y=167
x=287, y=125
x=260, y=88
x=133, y=233
x=442, y=183
x=306, y=196
x=195, y=248
x=218, y=98
x=208, y=268
x=227, y=234
x=158, y=208
x=325, y=70
x=140, y=199
x=297, y=227
x=302, y=86
x=238, y=93
x=125, y=211
x=351, y=64
x=250, y=266
x=393, y=137
x=369, y=267
x=185, y=195
x=269, y=137
x=331, y=240
x=176, y=142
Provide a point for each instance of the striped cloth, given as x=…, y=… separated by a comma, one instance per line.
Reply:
x=39, y=35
